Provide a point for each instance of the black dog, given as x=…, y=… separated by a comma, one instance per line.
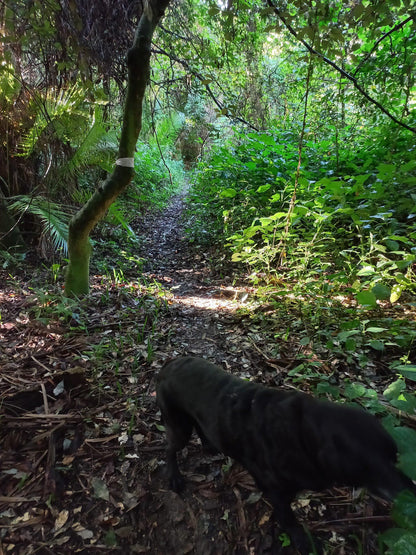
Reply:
x=289, y=442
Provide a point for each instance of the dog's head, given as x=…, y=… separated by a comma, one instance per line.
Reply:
x=353, y=448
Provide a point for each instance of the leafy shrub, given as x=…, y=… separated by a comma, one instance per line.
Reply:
x=159, y=171
x=363, y=222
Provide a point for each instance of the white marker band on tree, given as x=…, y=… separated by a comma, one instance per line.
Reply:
x=125, y=162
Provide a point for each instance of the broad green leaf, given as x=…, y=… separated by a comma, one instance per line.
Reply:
x=343, y=335
x=236, y=257
x=400, y=238
x=366, y=298
x=406, y=403
x=350, y=345
x=404, y=508
x=267, y=140
x=382, y=292
x=403, y=544
x=279, y=215
x=354, y=390
x=377, y=345
x=395, y=293
x=407, y=370
x=366, y=271
x=391, y=537
x=392, y=245
x=263, y=188
x=405, y=438
x=407, y=463
x=228, y=193
x=394, y=389
x=403, y=264
x=251, y=231
x=376, y=330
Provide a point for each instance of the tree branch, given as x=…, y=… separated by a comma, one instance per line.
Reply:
x=395, y=28
x=339, y=69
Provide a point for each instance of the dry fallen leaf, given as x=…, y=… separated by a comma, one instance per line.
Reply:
x=61, y=519
x=83, y=532
x=100, y=489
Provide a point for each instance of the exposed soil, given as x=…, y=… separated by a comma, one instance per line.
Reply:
x=82, y=449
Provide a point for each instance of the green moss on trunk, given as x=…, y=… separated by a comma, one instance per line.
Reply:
x=138, y=61
x=77, y=274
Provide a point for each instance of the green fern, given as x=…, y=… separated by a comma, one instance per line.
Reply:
x=52, y=216
x=97, y=147
x=51, y=110
x=115, y=215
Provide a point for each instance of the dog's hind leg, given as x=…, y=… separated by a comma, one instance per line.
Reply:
x=179, y=430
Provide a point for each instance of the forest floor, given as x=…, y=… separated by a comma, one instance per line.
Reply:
x=82, y=447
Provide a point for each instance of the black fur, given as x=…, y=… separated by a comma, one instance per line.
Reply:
x=288, y=441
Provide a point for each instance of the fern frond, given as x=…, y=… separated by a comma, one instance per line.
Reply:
x=52, y=216
x=115, y=213
x=48, y=109
x=97, y=147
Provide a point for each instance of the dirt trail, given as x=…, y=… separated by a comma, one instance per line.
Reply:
x=202, y=303
x=211, y=516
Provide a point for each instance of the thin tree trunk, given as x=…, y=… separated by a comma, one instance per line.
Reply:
x=10, y=236
x=138, y=61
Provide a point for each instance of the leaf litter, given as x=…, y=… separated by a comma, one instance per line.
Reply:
x=82, y=445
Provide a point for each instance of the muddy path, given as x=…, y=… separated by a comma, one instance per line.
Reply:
x=82, y=448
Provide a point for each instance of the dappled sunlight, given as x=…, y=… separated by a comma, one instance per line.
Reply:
x=181, y=291
x=207, y=303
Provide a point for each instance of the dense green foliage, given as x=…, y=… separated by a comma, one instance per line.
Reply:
x=295, y=124
x=354, y=215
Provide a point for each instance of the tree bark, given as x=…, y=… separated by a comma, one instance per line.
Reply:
x=80, y=226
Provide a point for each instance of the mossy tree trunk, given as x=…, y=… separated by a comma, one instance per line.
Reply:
x=138, y=61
